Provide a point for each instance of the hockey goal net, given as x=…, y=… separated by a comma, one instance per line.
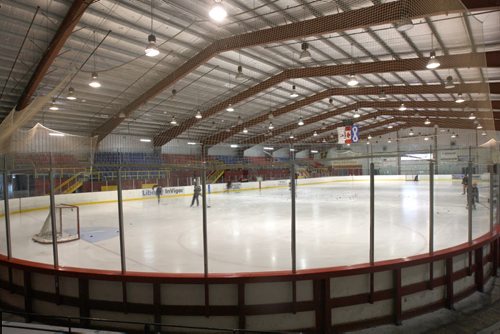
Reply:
x=67, y=225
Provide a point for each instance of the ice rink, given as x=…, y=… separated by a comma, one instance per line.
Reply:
x=249, y=231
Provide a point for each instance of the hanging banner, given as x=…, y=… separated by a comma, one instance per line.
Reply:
x=341, y=134
x=354, y=133
x=344, y=134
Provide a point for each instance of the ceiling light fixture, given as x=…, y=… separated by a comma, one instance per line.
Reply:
x=71, y=94
x=427, y=121
x=426, y=138
x=389, y=141
x=324, y=140
x=53, y=105
x=356, y=114
x=449, y=82
x=291, y=136
x=382, y=96
x=94, y=83
x=230, y=108
x=173, y=121
x=411, y=132
x=198, y=115
x=191, y=143
x=239, y=74
x=390, y=126
x=315, y=134
x=479, y=126
x=404, y=24
x=218, y=12
x=56, y=134
x=483, y=133
x=301, y=121
x=402, y=107
x=245, y=130
x=145, y=140
x=367, y=143
x=352, y=81
x=151, y=49
x=271, y=126
x=460, y=98
x=305, y=54
x=453, y=135
x=294, y=92
x=369, y=136
x=433, y=62
x=330, y=100
x=472, y=116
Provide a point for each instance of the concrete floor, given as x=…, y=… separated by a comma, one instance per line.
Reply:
x=250, y=230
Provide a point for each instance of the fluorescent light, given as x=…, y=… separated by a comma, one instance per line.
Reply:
x=145, y=140
x=352, y=81
x=217, y=13
x=426, y=138
x=460, y=98
x=191, y=143
x=266, y=148
x=94, y=83
x=390, y=126
x=314, y=151
x=292, y=150
x=152, y=49
x=234, y=146
x=56, y=134
x=433, y=62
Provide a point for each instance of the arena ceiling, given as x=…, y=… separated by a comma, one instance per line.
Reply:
x=45, y=41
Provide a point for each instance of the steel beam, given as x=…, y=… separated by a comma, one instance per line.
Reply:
x=360, y=18
x=65, y=29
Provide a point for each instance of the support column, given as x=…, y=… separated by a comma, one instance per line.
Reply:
x=293, y=222
x=7, y=208
x=120, y=223
x=372, y=230
x=469, y=203
x=204, y=150
x=399, y=152
x=436, y=165
x=431, y=222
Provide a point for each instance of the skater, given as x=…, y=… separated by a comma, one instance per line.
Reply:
x=465, y=181
x=229, y=185
x=158, y=190
x=196, y=194
x=474, y=196
x=416, y=178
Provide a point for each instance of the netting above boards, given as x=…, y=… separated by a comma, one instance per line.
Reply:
x=41, y=141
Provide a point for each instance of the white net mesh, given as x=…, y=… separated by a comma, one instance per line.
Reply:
x=67, y=225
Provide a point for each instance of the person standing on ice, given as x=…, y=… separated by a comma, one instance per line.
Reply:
x=196, y=194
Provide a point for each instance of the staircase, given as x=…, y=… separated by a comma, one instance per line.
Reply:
x=71, y=185
x=215, y=176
